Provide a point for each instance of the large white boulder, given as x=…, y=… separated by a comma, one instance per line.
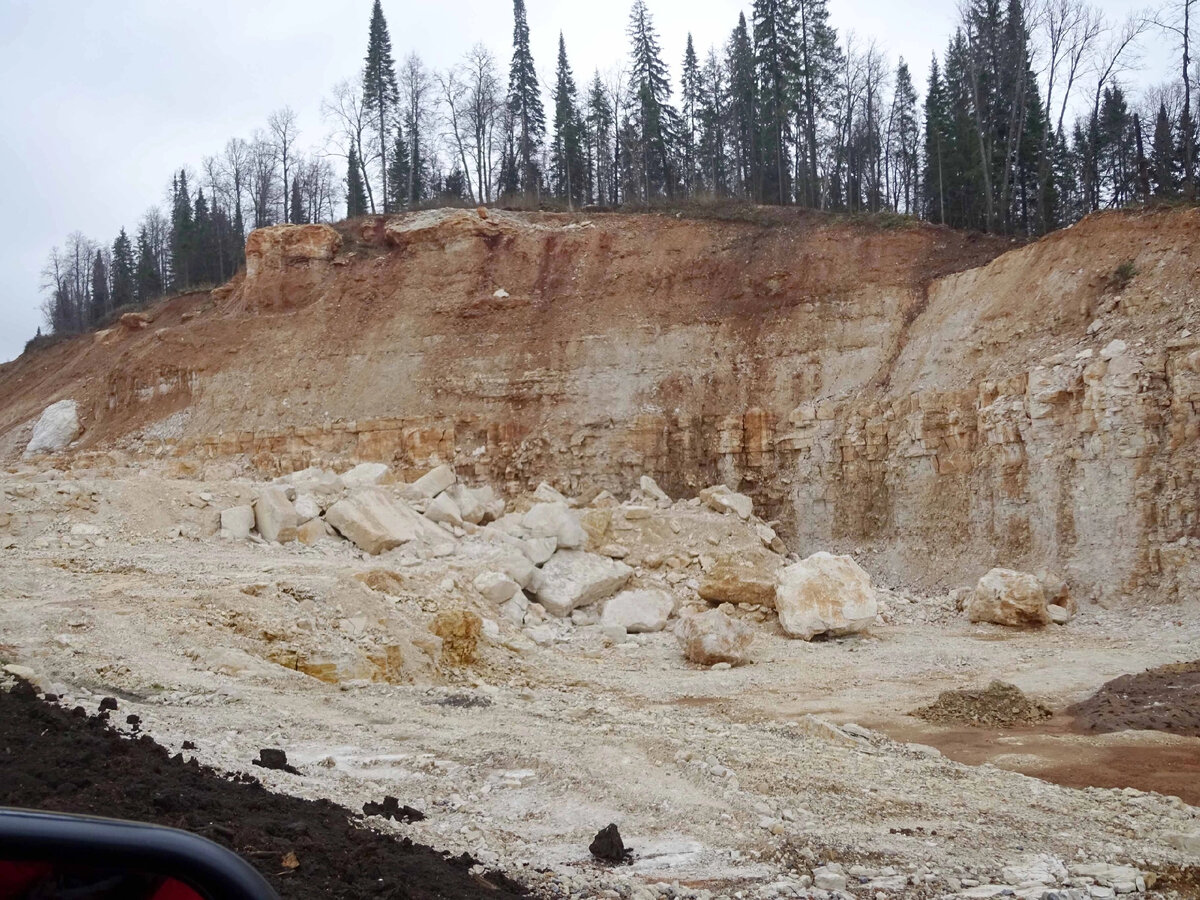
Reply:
x=713, y=637
x=720, y=498
x=539, y=551
x=520, y=568
x=825, y=594
x=307, y=508
x=324, y=485
x=435, y=481
x=237, y=523
x=374, y=521
x=274, y=515
x=496, y=587
x=558, y=521
x=745, y=577
x=573, y=578
x=472, y=504
x=638, y=612
x=1006, y=597
x=56, y=429
x=365, y=474
x=443, y=510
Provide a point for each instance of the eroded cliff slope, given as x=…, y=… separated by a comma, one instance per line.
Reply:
x=903, y=391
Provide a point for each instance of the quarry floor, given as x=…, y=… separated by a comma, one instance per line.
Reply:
x=726, y=781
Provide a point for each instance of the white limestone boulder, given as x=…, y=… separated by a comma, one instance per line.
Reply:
x=712, y=637
x=469, y=503
x=313, y=532
x=435, y=481
x=237, y=523
x=373, y=521
x=57, y=427
x=515, y=608
x=639, y=612
x=274, y=516
x=745, y=577
x=365, y=474
x=572, y=579
x=496, y=587
x=556, y=520
x=539, y=551
x=720, y=498
x=1010, y=598
x=443, y=510
x=307, y=508
x=825, y=594
x=323, y=485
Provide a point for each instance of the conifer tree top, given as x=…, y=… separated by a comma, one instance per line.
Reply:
x=379, y=72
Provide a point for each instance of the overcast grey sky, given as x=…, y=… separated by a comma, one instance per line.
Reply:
x=100, y=101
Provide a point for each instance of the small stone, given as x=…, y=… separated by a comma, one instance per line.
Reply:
x=827, y=879
x=1059, y=615
x=608, y=846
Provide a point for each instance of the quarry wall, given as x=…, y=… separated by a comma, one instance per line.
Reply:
x=911, y=393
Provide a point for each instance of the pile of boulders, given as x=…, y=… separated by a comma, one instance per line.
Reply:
x=545, y=563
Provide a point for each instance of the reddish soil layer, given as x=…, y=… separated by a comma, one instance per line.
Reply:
x=51, y=759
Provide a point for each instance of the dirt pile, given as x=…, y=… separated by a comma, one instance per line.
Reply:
x=1166, y=698
x=999, y=705
x=58, y=761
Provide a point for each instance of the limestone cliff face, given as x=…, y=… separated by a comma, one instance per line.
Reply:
x=903, y=391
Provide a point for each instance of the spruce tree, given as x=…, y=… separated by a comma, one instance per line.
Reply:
x=776, y=67
x=1143, y=165
x=122, y=271
x=653, y=115
x=937, y=135
x=690, y=98
x=1184, y=162
x=381, y=95
x=818, y=61
x=526, y=115
x=356, y=195
x=1115, y=152
x=1164, y=174
x=100, y=294
x=419, y=174
x=202, y=266
x=148, y=283
x=182, y=237
x=601, y=133
x=400, y=166
x=711, y=116
x=297, y=205
x=907, y=140
x=742, y=107
x=566, y=155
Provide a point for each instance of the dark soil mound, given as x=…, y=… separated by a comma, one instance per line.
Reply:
x=52, y=759
x=1162, y=699
x=999, y=705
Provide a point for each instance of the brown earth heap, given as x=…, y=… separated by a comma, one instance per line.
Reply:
x=904, y=391
x=1163, y=699
x=999, y=705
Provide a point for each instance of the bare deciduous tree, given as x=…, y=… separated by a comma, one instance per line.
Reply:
x=346, y=111
x=415, y=100
x=284, y=131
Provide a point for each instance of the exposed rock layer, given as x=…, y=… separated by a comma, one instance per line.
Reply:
x=1026, y=413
